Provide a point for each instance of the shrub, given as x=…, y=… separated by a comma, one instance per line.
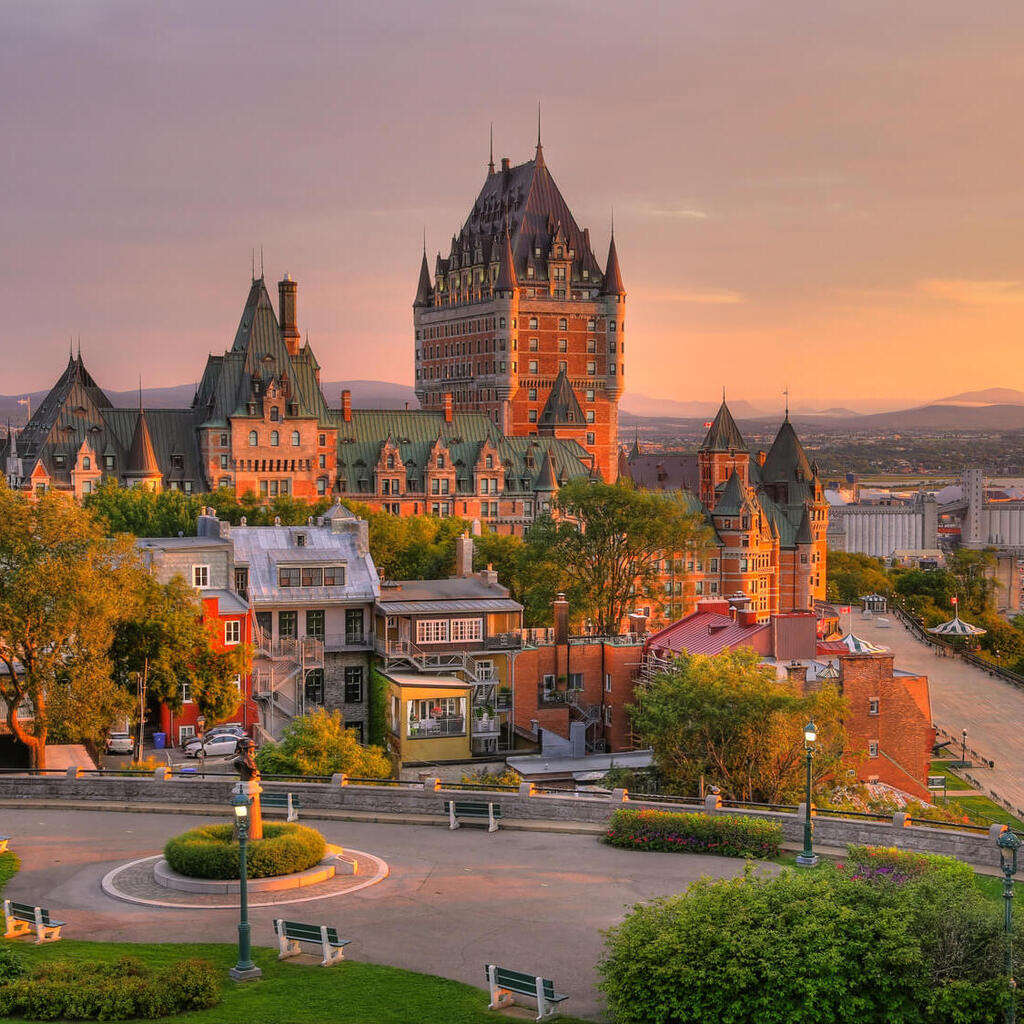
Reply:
x=111, y=990
x=722, y=834
x=212, y=851
x=12, y=963
x=887, y=864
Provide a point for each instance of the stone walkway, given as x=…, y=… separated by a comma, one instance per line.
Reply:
x=453, y=901
x=963, y=697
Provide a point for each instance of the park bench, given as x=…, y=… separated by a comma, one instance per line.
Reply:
x=472, y=809
x=23, y=918
x=505, y=983
x=4, y=840
x=290, y=935
x=281, y=801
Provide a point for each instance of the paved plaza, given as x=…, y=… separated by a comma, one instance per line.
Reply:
x=452, y=902
x=963, y=697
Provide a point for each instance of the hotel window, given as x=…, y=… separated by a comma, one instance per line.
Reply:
x=275, y=414
x=533, y=324
x=611, y=369
x=253, y=439
x=232, y=632
x=353, y=625
x=223, y=440
x=563, y=344
x=590, y=394
x=432, y=631
x=353, y=684
x=273, y=488
x=533, y=366
x=223, y=462
x=296, y=439
x=591, y=369
x=532, y=395
x=200, y=576
x=532, y=415
x=607, y=682
x=590, y=438
x=563, y=366
x=873, y=748
x=323, y=461
x=322, y=441
x=534, y=344
x=275, y=439
x=288, y=624
x=563, y=324
x=611, y=345
x=87, y=487
x=591, y=345
x=315, y=623
x=590, y=415
x=713, y=565
x=611, y=326
x=873, y=706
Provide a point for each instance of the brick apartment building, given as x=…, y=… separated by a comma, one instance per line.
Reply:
x=520, y=321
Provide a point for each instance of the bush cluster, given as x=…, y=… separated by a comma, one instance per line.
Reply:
x=722, y=834
x=121, y=989
x=212, y=851
x=887, y=864
x=806, y=947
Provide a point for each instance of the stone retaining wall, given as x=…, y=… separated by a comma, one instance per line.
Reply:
x=428, y=799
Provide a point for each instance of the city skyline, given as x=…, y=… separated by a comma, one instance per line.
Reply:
x=796, y=192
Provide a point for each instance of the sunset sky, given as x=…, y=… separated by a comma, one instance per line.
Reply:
x=828, y=195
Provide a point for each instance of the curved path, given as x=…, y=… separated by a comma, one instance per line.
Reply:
x=453, y=901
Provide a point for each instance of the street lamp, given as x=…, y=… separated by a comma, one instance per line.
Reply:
x=963, y=744
x=808, y=859
x=1009, y=843
x=245, y=969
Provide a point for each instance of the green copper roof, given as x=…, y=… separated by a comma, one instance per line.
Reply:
x=724, y=435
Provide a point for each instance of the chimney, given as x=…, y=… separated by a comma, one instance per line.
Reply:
x=637, y=623
x=287, y=291
x=464, y=556
x=761, y=456
x=797, y=673
x=505, y=163
x=346, y=405
x=447, y=407
x=561, y=607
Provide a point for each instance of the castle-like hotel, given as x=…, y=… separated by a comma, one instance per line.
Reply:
x=519, y=366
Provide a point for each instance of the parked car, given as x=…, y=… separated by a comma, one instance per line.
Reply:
x=231, y=729
x=211, y=746
x=120, y=743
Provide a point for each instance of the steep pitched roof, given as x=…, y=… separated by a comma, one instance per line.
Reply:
x=562, y=408
x=612, y=275
x=506, y=280
x=786, y=460
x=724, y=435
x=424, y=290
x=732, y=499
x=547, y=481
x=142, y=457
x=803, y=531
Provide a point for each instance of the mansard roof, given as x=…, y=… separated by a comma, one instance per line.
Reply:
x=724, y=435
x=562, y=408
x=258, y=353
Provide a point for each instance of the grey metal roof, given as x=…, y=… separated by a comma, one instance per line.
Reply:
x=453, y=588
x=480, y=606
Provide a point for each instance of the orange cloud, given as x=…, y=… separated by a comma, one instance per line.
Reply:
x=975, y=293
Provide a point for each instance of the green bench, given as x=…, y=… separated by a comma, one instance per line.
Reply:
x=472, y=809
x=504, y=984
x=290, y=935
x=282, y=801
x=23, y=918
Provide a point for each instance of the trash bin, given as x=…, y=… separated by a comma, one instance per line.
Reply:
x=159, y=740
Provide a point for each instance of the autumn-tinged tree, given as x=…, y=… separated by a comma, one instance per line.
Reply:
x=319, y=744
x=603, y=544
x=64, y=586
x=727, y=719
x=165, y=644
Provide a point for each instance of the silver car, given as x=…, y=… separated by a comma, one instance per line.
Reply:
x=120, y=743
x=212, y=746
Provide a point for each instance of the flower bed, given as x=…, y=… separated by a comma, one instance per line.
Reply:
x=724, y=835
x=887, y=864
x=212, y=851
x=123, y=989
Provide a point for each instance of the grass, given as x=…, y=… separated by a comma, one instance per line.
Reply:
x=952, y=781
x=290, y=993
x=988, y=811
x=9, y=865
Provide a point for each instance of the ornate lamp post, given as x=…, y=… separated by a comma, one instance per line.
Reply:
x=1009, y=843
x=808, y=859
x=963, y=744
x=245, y=969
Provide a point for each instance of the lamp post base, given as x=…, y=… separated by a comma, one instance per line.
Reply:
x=804, y=860
x=245, y=973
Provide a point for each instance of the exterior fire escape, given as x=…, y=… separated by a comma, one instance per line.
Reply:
x=279, y=678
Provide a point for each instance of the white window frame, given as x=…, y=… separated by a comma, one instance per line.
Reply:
x=465, y=631
x=432, y=631
x=200, y=577
x=185, y=732
x=232, y=632
x=872, y=748
x=873, y=706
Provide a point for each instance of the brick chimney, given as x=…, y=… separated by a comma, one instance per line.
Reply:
x=287, y=290
x=561, y=607
x=346, y=405
x=447, y=407
x=464, y=556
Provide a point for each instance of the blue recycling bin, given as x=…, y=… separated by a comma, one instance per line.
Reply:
x=159, y=740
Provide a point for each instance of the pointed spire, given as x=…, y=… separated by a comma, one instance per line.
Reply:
x=634, y=452
x=539, y=158
x=490, y=164
x=79, y=348
x=71, y=348
x=803, y=532
x=786, y=393
x=506, y=281
x=724, y=435
x=612, y=274
x=142, y=456
x=562, y=409
x=424, y=289
x=547, y=478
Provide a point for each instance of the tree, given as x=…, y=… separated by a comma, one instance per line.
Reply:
x=603, y=544
x=166, y=644
x=851, y=576
x=727, y=720
x=63, y=589
x=972, y=571
x=319, y=744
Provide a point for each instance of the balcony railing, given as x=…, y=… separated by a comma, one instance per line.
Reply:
x=503, y=642
x=486, y=726
x=431, y=728
x=346, y=641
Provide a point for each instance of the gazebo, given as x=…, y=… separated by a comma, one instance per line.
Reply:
x=855, y=645
x=957, y=629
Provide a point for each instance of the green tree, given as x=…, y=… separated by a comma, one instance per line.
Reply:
x=63, y=589
x=319, y=744
x=727, y=720
x=165, y=644
x=972, y=571
x=603, y=544
x=851, y=576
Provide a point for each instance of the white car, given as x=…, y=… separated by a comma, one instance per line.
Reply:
x=212, y=746
x=120, y=743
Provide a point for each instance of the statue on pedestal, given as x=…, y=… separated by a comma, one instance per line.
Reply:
x=249, y=784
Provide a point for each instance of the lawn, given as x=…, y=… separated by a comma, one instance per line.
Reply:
x=952, y=781
x=291, y=993
x=986, y=811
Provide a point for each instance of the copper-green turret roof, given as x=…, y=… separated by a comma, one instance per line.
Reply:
x=786, y=473
x=562, y=408
x=613, y=275
x=506, y=281
x=142, y=459
x=424, y=290
x=803, y=531
x=724, y=435
x=546, y=479
x=732, y=499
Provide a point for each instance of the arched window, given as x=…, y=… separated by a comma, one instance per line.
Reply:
x=275, y=439
x=563, y=324
x=253, y=439
x=296, y=440
x=86, y=462
x=275, y=415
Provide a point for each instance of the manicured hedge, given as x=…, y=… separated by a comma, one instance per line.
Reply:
x=122, y=989
x=212, y=851
x=722, y=834
x=887, y=864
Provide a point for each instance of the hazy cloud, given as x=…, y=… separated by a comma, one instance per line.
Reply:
x=975, y=293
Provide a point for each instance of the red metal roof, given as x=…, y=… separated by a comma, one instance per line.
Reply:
x=703, y=633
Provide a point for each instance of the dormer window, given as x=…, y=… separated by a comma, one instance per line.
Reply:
x=300, y=540
x=560, y=253
x=58, y=460
x=440, y=462
x=86, y=462
x=177, y=462
x=391, y=462
x=489, y=462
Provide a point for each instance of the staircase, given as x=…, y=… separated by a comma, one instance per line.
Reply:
x=279, y=678
x=589, y=715
x=404, y=652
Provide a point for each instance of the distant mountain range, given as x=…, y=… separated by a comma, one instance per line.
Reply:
x=991, y=409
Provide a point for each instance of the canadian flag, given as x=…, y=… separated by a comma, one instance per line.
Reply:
x=845, y=610
x=954, y=600
x=707, y=424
